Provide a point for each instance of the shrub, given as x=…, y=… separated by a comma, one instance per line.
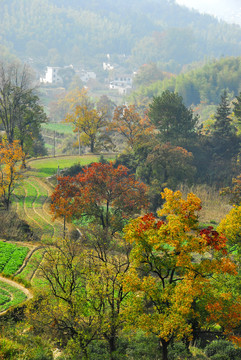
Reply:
x=222, y=350
x=179, y=351
x=140, y=347
x=216, y=346
x=220, y=357
x=9, y=349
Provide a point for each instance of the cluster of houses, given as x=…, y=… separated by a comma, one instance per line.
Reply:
x=117, y=81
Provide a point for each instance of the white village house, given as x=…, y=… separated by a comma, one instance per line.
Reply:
x=122, y=83
x=52, y=75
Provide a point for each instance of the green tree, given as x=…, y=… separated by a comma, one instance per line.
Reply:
x=224, y=141
x=21, y=114
x=237, y=107
x=67, y=75
x=172, y=118
x=65, y=311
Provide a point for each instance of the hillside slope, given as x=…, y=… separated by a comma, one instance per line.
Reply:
x=60, y=32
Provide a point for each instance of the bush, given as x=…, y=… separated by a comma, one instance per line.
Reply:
x=216, y=346
x=36, y=349
x=9, y=349
x=72, y=170
x=222, y=350
x=179, y=351
x=140, y=347
x=220, y=357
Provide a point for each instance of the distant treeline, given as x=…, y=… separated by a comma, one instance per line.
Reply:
x=70, y=31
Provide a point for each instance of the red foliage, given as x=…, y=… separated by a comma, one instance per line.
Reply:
x=214, y=239
x=101, y=191
x=148, y=222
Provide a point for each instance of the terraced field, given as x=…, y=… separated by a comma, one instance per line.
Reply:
x=32, y=203
x=11, y=259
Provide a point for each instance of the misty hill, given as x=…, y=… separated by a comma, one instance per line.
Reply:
x=204, y=85
x=59, y=32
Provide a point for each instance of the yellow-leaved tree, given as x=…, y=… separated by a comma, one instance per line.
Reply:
x=87, y=121
x=173, y=264
x=11, y=155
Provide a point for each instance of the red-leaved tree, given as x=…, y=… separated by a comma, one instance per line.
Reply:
x=106, y=195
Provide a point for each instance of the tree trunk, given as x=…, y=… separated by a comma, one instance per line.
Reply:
x=92, y=145
x=64, y=227
x=112, y=347
x=164, y=349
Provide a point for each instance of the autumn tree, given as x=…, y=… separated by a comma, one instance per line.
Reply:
x=170, y=164
x=170, y=270
x=63, y=200
x=127, y=122
x=87, y=121
x=162, y=165
x=11, y=155
x=105, y=195
x=230, y=226
x=233, y=191
x=148, y=74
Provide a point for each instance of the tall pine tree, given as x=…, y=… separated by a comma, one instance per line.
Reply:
x=224, y=137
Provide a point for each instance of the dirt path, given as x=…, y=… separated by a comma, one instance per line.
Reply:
x=18, y=286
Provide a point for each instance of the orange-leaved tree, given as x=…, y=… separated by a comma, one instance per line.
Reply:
x=234, y=191
x=11, y=155
x=130, y=124
x=63, y=200
x=106, y=195
x=173, y=263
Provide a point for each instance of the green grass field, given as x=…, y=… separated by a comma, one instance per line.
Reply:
x=48, y=166
x=60, y=128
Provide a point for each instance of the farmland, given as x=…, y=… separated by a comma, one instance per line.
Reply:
x=12, y=257
x=31, y=201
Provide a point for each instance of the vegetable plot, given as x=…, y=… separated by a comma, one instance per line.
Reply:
x=11, y=257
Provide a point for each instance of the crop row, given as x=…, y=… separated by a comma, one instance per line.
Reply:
x=32, y=203
x=11, y=257
x=29, y=271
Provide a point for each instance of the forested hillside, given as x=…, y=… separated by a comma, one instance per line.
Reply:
x=62, y=32
x=204, y=84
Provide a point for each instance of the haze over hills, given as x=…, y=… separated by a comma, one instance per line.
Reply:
x=229, y=11
x=60, y=32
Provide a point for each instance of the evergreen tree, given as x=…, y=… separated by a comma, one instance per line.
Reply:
x=173, y=119
x=237, y=107
x=224, y=138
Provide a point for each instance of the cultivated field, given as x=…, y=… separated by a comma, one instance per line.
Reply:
x=32, y=199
